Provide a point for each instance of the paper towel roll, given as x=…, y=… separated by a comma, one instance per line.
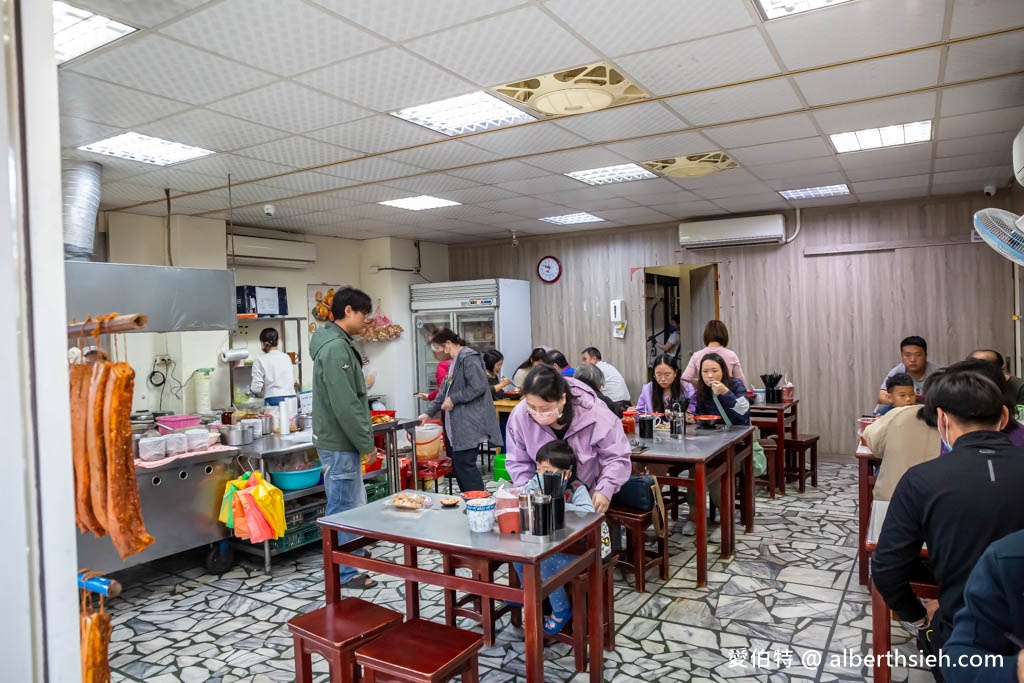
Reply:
x=233, y=355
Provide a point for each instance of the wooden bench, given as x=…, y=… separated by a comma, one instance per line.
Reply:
x=335, y=632
x=637, y=557
x=420, y=651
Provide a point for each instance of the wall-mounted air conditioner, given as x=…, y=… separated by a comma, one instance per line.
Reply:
x=270, y=253
x=733, y=232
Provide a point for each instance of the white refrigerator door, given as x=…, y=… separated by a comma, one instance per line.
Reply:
x=478, y=328
x=425, y=325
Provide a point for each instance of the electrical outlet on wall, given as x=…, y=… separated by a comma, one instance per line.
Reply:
x=162, y=359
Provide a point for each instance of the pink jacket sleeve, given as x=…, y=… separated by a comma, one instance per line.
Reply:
x=690, y=371
x=442, y=372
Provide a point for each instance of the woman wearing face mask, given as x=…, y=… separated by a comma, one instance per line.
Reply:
x=556, y=407
x=444, y=362
x=468, y=409
x=272, y=373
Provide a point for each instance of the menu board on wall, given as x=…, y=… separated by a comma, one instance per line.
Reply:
x=318, y=304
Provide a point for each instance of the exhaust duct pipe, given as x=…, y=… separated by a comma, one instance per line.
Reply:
x=81, y=186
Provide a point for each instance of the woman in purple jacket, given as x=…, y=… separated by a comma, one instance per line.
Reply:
x=666, y=389
x=556, y=407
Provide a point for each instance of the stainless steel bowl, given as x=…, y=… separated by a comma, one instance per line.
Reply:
x=232, y=435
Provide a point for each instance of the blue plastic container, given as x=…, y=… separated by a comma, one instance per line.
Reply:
x=300, y=479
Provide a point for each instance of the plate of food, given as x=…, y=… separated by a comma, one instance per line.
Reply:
x=449, y=502
x=706, y=419
x=409, y=501
x=471, y=495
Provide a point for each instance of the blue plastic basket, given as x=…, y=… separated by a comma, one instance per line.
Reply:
x=300, y=479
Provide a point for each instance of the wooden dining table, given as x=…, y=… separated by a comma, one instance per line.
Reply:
x=505, y=405
x=446, y=531
x=778, y=417
x=867, y=472
x=707, y=455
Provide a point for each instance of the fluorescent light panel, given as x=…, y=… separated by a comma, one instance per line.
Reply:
x=464, y=114
x=419, y=203
x=572, y=219
x=612, y=174
x=77, y=31
x=816, y=192
x=877, y=138
x=138, y=147
x=774, y=9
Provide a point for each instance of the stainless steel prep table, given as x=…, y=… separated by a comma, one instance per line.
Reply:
x=392, y=463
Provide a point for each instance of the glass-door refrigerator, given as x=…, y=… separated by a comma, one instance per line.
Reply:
x=488, y=314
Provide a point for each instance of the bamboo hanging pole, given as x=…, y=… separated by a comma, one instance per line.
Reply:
x=121, y=323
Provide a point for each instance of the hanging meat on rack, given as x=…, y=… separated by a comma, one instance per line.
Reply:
x=94, y=629
x=95, y=442
x=81, y=379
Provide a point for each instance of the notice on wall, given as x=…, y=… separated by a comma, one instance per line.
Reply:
x=319, y=298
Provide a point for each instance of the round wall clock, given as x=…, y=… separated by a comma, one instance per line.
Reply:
x=549, y=269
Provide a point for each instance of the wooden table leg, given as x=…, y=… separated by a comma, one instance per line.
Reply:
x=728, y=484
x=881, y=636
x=747, y=504
x=863, y=516
x=332, y=580
x=533, y=615
x=595, y=600
x=701, y=522
x=412, y=588
x=780, y=451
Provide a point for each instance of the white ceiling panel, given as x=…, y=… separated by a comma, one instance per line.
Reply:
x=291, y=107
x=331, y=201
x=528, y=139
x=387, y=80
x=997, y=94
x=376, y=211
x=855, y=29
x=366, y=225
x=124, y=193
x=400, y=19
x=544, y=211
x=165, y=67
x=734, y=176
x=596, y=205
x=299, y=152
x=890, y=195
x=682, y=210
x=375, y=193
x=986, y=57
x=575, y=160
x=310, y=181
x=210, y=130
x=142, y=211
x=885, y=112
x=737, y=102
x=733, y=190
x=640, y=215
x=618, y=27
x=517, y=205
x=777, y=152
x=500, y=172
x=374, y=169
x=110, y=104
x=624, y=122
x=477, y=194
x=913, y=182
x=880, y=158
x=240, y=168
x=717, y=60
x=776, y=129
x=871, y=79
x=444, y=155
x=140, y=14
x=664, y=146
x=540, y=185
x=754, y=202
x=954, y=188
x=674, y=196
x=283, y=210
x=999, y=175
x=1001, y=158
x=281, y=36
x=75, y=131
x=906, y=168
x=505, y=48
x=638, y=189
x=981, y=123
x=578, y=195
x=971, y=17
x=802, y=181
x=432, y=184
x=996, y=142
x=378, y=133
x=788, y=169
x=824, y=201
x=178, y=181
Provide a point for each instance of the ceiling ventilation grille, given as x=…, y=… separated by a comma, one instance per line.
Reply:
x=692, y=166
x=574, y=91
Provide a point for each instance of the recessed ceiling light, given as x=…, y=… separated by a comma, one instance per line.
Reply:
x=572, y=219
x=783, y=8
x=464, y=114
x=888, y=136
x=424, y=201
x=816, y=192
x=77, y=31
x=138, y=147
x=611, y=174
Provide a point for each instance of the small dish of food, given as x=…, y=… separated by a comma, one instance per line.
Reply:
x=471, y=495
x=409, y=501
x=451, y=502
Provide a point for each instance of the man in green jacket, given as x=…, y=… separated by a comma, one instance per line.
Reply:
x=342, y=432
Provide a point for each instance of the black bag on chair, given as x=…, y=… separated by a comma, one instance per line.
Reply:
x=636, y=493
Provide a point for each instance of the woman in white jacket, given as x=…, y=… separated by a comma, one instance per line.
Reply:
x=272, y=372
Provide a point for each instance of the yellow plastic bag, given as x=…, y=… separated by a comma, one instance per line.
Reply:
x=270, y=501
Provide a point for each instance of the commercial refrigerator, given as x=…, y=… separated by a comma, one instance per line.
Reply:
x=488, y=314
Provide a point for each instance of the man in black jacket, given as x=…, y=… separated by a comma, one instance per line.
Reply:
x=957, y=504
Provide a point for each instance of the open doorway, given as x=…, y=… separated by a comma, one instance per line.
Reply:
x=687, y=293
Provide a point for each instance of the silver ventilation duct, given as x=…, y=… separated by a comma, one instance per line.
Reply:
x=81, y=184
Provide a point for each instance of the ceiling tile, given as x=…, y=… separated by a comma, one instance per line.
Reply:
x=775, y=129
x=517, y=205
x=734, y=190
x=889, y=195
x=578, y=195
x=595, y=205
x=137, y=13
x=322, y=202
x=240, y=168
x=378, y=133
x=788, y=169
x=624, y=122
x=375, y=193
x=674, y=196
x=776, y=152
x=871, y=79
x=684, y=210
x=640, y=215
x=164, y=67
x=527, y=139
x=310, y=181
x=997, y=94
x=954, y=188
x=978, y=144
x=444, y=155
x=981, y=123
x=545, y=211
x=971, y=17
x=282, y=210
x=885, y=112
x=664, y=146
x=618, y=27
x=75, y=132
x=110, y=104
x=387, y=80
x=737, y=102
x=802, y=181
x=535, y=186
x=880, y=158
x=999, y=175
x=918, y=182
x=480, y=193
x=375, y=169
x=985, y=57
x=299, y=152
x=967, y=161
x=897, y=170
x=143, y=211
x=210, y=130
x=177, y=180
x=824, y=201
x=400, y=20
x=639, y=188
x=855, y=29
x=717, y=60
x=500, y=172
x=125, y=193
x=754, y=202
x=733, y=176
x=289, y=106
x=505, y=48
x=575, y=160
x=432, y=184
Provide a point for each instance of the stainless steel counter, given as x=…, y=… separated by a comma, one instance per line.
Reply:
x=274, y=444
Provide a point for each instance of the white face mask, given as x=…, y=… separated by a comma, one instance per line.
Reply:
x=944, y=435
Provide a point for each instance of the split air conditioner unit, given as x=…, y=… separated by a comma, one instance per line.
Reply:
x=270, y=253
x=733, y=232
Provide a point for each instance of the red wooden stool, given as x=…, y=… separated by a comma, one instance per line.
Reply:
x=485, y=612
x=637, y=558
x=577, y=638
x=421, y=651
x=768, y=478
x=335, y=632
x=796, y=449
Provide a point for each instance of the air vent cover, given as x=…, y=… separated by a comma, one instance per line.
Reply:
x=692, y=166
x=574, y=91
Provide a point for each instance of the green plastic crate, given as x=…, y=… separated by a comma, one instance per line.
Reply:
x=296, y=537
x=376, y=489
x=501, y=473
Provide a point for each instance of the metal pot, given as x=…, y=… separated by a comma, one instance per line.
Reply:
x=268, y=424
x=305, y=421
x=248, y=435
x=232, y=435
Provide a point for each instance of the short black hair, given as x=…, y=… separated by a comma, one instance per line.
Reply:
x=592, y=352
x=269, y=336
x=559, y=454
x=914, y=340
x=967, y=392
x=558, y=358
x=350, y=296
x=900, y=379
x=445, y=335
x=491, y=358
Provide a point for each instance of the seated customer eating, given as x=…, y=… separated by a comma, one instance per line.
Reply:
x=666, y=389
x=956, y=505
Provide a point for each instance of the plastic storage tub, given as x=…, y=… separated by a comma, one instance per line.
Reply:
x=176, y=444
x=429, y=441
x=170, y=423
x=152, y=448
x=300, y=479
x=198, y=439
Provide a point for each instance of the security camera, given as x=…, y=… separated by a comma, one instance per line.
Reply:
x=269, y=210
x=990, y=190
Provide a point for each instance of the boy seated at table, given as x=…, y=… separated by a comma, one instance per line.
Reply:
x=900, y=390
x=558, y=457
